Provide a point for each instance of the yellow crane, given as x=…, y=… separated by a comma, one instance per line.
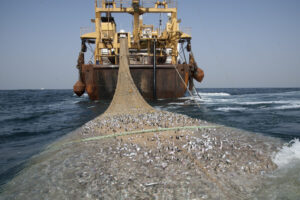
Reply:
x=154, y=53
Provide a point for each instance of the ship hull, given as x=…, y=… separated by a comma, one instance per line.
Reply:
x=100, y=80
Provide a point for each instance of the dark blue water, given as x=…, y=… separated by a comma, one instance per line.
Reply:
x=272, y=111
x=31, y=119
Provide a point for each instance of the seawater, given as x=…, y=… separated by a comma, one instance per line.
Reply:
x=31, y=119
x=271, y=111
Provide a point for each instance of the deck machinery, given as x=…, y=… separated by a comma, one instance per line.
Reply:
x=161, y=62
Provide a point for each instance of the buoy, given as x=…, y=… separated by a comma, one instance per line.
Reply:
x=79, y=88
x=198, y=74
x=92, y=92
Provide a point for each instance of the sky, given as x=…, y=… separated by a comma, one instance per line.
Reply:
x=238, y=43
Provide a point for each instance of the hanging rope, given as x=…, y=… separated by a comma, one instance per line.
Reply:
x=143, y=131
x=187, y=87
x=191, y=94
x=135, y=133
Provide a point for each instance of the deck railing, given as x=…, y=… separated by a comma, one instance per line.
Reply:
x=143, y=3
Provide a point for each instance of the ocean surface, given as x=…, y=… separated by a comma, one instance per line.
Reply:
x=32, y=119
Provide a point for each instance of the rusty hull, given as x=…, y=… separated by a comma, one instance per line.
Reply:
x=100, y=80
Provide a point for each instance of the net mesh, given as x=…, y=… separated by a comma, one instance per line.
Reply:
x=127, y=99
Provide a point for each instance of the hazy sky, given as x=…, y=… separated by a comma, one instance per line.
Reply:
x=238, y=43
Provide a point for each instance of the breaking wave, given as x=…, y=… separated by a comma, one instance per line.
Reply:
x=261, y=102
x=214, y=94
x=289, y=153
x=284, y=183
x=277, y=105
x=227, y=109
x=286, y=107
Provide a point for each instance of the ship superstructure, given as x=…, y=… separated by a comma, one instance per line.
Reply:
x=161, y=61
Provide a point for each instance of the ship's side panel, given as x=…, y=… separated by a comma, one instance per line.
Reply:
x=89, y=80
x=106, y=81
x=101, y=81
x=143, y=79
x=166, y=83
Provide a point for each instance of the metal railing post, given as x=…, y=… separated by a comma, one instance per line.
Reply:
x=154, y=69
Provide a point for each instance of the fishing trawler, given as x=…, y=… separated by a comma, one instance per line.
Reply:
x=161, y=61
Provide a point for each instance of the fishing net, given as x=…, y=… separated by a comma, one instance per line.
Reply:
x=127, y=99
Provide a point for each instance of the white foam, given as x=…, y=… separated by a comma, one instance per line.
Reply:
x=268, y=102
x=214, y=94
x=257, y=102
x=207, y=99
x=158, y=108
x=278, y=105
x=176, y=103
x=223, y=98
x=196, y=98
x=289, y=153
x=285, y=107
x=227, y=109
x=189, y=97
x=75, y=102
